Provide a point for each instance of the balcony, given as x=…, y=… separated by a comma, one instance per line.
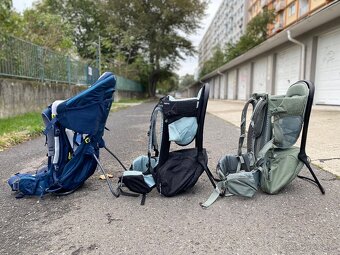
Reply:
x=280, y=5
x=278, y=26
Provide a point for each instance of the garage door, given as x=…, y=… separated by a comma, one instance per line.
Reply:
x=231, y=84
x=216, y=87
x=260, y=76
x=287, y=69
x=327, y=72
x=223, y=86
x=242, y=82
x=211, y=88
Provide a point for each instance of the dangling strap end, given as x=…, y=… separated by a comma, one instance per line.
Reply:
x=213, y=197
x=142, y=202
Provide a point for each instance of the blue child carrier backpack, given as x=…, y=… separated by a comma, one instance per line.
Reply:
x=74, y=133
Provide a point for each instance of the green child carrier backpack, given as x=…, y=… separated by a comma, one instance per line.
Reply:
x=271, y=161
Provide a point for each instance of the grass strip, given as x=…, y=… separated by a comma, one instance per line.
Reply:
x=20, y=128
x=14, y=130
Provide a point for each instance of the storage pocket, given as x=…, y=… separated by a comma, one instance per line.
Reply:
x=227, y=165
x=179, y=173
x=281, y=169
x=137, y=182
x=243, y=183
x=287, y=130
x=288, y=114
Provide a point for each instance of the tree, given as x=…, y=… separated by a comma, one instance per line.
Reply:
x=186, y=80
x=84, y=19
x=91, y=19
x=158, y=25
x=217, y=60
x=256, y=33
x=152, y=32
x=168, y=84
x=47, y=30
x=10, y=21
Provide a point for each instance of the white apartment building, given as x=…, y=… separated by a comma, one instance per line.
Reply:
x=227, y=26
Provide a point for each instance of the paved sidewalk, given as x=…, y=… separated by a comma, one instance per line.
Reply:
x=323, y=143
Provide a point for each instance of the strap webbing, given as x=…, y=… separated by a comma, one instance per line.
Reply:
x=243, y=124
x=153, y=143
x=50, y=126
x=216, y=193
x=264, y=150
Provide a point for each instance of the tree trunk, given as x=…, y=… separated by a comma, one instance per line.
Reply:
x=153, y=79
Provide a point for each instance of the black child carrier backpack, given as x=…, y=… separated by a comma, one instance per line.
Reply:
x=171, y=172
x=271, y=161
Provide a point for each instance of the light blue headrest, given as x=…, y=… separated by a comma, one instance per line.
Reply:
x=183, y=131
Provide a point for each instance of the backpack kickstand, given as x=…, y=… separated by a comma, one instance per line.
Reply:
x=106, y=177
x=315, y=181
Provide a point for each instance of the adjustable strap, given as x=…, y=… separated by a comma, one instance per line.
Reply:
x=260, y=162
x=218, y=191
x=129, y=194
x=142, y=202
x=56, y=146
x=113, y=155
x=259, y=107
x=243, y=124
x=49, y=126
x=153, y=143
x=264, y=150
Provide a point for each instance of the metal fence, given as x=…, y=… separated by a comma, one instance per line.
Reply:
x=128, y=85
x=22, y=59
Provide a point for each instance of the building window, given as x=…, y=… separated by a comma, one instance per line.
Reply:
x=304, y=6
x=291, y=10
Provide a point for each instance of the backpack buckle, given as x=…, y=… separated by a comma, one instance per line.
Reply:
x=15, y=186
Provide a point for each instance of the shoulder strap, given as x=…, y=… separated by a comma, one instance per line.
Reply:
x=256, y=123
x=243, y=124
x=153, y=143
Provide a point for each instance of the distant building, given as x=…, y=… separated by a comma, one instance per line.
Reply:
x=308, y=47
x=287, y=12
x=227, y=26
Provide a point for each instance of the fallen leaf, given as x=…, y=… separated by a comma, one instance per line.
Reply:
x=102, y=177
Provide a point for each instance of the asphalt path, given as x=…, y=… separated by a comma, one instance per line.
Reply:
x=299, y=220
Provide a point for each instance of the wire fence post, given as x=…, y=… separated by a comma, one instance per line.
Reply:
x=68, y=70
x=41, y=63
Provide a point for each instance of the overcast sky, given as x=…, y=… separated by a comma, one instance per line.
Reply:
x=21, y=5
x=190, y=64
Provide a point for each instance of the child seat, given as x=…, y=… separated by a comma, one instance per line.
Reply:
x=74, y=133
x=171, y=172
x=270, y=161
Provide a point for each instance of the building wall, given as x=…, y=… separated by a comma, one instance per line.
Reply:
x=280, y=66
x=227, y=26
x=287, y=12
x=22, y=96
